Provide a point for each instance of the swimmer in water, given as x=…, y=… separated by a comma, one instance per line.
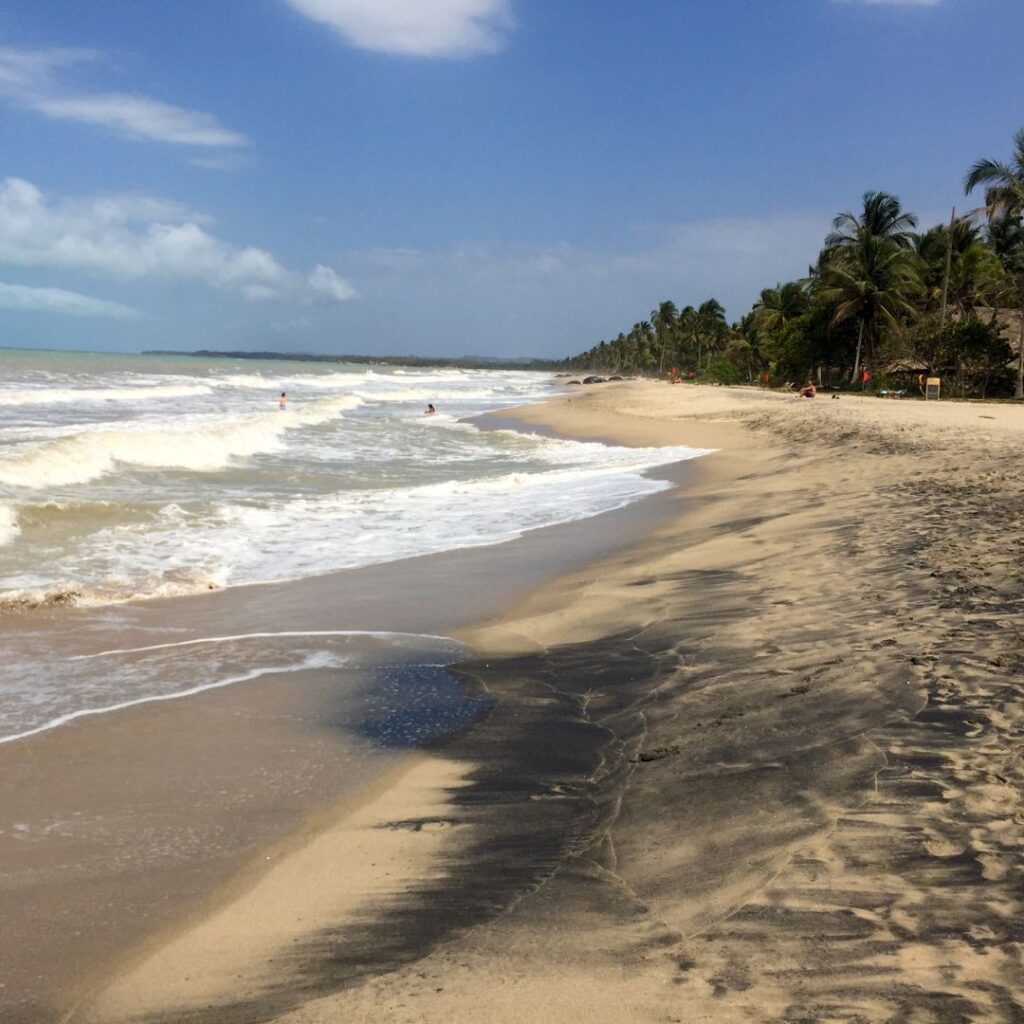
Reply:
x=282, y=402
x=430, y=409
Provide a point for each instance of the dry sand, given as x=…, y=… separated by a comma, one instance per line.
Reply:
x=764, y=766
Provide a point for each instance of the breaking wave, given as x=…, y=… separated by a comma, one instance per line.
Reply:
x=211, y=445
x=64, y=396
x=9, y=527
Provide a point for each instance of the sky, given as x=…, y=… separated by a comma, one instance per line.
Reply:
x=462, y=177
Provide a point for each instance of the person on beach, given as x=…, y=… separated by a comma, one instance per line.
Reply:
x=282, y=402
x=430, y=409
x=808, y=390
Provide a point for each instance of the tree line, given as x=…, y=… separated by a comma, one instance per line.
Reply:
x=884, y=303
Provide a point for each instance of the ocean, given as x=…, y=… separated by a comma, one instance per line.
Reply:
x=126, y=478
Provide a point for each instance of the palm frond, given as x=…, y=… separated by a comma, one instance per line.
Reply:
x=989, y=172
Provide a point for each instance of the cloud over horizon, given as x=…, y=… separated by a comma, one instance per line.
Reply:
x=132, y=237
x=28, y=78
x=59, y=300
x=420, y=28
x=472, y=286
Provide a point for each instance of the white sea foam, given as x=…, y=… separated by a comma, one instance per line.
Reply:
x=180, y=552
x=210, y=445
x=202, y=641
x=318, y=660
x=95, y=508
x=9, y=527
x=63, y=396
x=373, y=387
x=427, y=394
x=315, y=381
x=55, y=690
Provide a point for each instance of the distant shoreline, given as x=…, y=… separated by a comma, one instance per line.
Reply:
x=459, y=362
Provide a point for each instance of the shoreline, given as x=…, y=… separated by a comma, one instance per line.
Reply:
x=710, y=743
x=807, y=802
x=371, y=599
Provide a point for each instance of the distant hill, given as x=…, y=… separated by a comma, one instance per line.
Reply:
x=460, y=362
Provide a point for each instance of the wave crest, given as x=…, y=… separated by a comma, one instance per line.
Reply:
x=9, y=526
x=211, y=446
x=65, y=396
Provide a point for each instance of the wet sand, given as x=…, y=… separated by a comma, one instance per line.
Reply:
x=118, y=831
x=807, y=803
x=760, y=761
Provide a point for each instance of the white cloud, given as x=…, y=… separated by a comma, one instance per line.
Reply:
x=422, y=28
x=132, y=237
x=325, y=281
x=27, y=78
x=57, y=300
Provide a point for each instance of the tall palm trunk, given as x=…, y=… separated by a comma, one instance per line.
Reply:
x=1019, y=393
x=856, y=358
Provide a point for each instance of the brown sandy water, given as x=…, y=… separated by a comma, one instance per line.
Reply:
x=118, y=829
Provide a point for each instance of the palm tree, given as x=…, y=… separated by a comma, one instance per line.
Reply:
x=872, y=281
x=712, y=326
x=664, y=320
x=973, y=267
x=1006, y=237
x=1004, y=193
x=689, y=327
x=866, y=257
x=882, y=216
x=778, y=307
x=974, y=272
x=1004, y=198
x=750, y=331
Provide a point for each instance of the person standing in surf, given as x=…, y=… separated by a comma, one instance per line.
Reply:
x=282, y=402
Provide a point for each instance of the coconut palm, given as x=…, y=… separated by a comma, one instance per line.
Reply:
x=1006, y=238
x=863, y=248
x=1004, y=192
x=712, y=326
x=688, y=325
x=1005, y=235
x=973, y=267
x=712, y=313
x=1004, y=198
x=778, y=307
x=882, y=216
x=972, y=275
x=664, y=320
x=873, y=281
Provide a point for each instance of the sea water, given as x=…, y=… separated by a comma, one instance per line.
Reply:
x=135, y=477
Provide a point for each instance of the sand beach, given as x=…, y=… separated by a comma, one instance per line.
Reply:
x=492, y=533
x=748, y=750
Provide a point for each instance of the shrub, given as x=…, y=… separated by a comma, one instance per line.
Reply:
x=723, y=371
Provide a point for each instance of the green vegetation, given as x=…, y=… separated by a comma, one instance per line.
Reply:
x=454, y=362
x=883, y=302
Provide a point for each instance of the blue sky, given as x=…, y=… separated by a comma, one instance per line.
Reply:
x=507, y=177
